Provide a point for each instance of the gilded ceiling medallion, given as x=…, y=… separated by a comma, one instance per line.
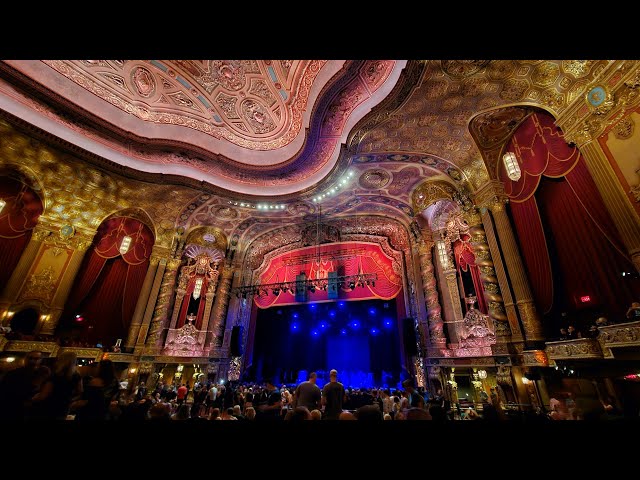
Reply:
x=225, y=212
x=462, y=68
x=577, y=68
x=374, y=179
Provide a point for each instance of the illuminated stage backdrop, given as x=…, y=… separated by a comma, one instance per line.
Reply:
x=346, y=258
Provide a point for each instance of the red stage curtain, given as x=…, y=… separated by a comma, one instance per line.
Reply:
x=17, y=220
x=588, y=262
x=108, y=284
x=589, y=250
x=534, y=250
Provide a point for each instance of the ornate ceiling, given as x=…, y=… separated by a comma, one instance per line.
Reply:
x=435, y=117
x=260, y=127
x=228, y=135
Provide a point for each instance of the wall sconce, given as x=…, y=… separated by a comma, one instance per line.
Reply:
x=125, y=244
x=525, y=381
x=132, y=371
x=10, y=359
x=511, y=165
x=482, y=374
x=180, y=368
x=2, y=205
x=10, y=314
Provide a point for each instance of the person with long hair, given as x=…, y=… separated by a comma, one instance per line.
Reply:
x=56, y=394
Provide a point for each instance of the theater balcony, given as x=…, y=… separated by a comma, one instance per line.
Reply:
x=620, y=341
x=579, y=348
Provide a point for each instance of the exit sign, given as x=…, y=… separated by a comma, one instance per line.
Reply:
x=585, y=299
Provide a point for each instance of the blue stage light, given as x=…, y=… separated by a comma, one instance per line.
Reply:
x=387, y=323
x=355, y=324
x=323, y=325
x=294, y=326
x=342, y=304
x=295, y=315
x=332, y=313
x=343, y=331
x=372, y=311
x=314, y=333
x=312, y=306
x=374, y=331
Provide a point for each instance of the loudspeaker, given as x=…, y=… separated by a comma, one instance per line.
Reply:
x=409, y=337
x=301, y=288
x=235, y=346
x=333, y=285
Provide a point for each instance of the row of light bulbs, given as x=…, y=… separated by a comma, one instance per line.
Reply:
x=318, y=198
x=340, y=184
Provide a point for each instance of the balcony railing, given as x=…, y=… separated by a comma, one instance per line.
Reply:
x=619, y=335
x=574, y=349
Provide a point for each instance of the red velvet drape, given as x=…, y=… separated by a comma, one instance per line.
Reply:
x=466, y=261
x=528, y=225
x=182, y=316
x=108, y=283
x=17, y=219
x=568, y=207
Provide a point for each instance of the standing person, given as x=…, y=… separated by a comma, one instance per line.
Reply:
x=270, y=409
x=182, y=394
x=18, y=386
x=54, y=399
x=415, y=399
x=308, y=394
x=333, y=396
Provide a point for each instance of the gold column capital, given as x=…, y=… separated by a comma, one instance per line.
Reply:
x=491, y=195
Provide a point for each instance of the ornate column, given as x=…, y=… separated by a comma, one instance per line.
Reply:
x=529, y=316
x=220, y=306
x=136, y=320
x=450, y=293
x=622, y=213
x=206, y=317
x=436, y=335
x=492, y=292
x=18, y=277
x=151, y=301
x=507, y=298
x=80, y=242
x=163, y=303
x=181, y=291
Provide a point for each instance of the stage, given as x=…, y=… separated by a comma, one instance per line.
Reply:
x=360, y=339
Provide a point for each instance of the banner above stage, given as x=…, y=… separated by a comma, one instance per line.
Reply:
x=346, y=258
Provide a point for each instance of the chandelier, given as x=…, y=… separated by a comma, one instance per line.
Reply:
x=511, y=165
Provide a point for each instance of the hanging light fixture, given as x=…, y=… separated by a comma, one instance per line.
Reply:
x=2, y=205
x=125, y=244
x=511, y=165
x=198, y=288
x=442, y=254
